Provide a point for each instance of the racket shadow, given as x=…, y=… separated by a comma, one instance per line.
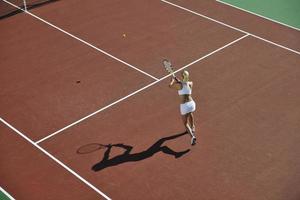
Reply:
x=134, y=157
x=90, y=148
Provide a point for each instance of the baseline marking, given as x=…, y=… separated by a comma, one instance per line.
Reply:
x=82, y=41
x=55, y=159
x=256, y=14
x=139, y=90
x=6, y=193
x=232, y=27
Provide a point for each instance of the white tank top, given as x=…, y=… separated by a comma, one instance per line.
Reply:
x=186, y=89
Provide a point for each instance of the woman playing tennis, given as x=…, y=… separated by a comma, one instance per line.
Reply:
x=187, y=106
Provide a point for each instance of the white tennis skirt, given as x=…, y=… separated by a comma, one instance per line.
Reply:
x=187, y=107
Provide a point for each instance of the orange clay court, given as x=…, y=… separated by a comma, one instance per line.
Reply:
x=77, y=76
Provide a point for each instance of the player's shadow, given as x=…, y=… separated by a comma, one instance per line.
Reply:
x=128, y=157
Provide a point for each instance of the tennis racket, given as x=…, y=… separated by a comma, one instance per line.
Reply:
x=168, y=66
x=89, y=148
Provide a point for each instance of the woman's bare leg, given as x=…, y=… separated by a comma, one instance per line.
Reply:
x=192, y=122
x=185, y=119
x=191, y=125
x=188, y=128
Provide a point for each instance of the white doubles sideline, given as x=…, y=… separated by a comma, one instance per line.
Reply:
x=82, y=41
x=6, y=193
x=139, y=90
x=229, y=26
x=55, y=159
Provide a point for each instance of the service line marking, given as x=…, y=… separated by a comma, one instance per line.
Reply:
x=139, y=90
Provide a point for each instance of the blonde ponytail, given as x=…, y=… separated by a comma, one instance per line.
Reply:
x=185, y=75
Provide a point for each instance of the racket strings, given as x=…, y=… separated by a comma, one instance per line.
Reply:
x=167, y=64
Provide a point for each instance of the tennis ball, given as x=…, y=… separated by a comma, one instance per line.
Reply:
x=124, y=35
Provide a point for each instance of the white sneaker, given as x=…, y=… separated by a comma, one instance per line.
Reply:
x=193, y=140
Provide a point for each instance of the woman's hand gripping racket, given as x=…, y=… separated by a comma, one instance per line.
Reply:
x=168, y=66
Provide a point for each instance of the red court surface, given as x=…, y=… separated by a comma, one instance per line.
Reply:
x=153, y=30
x=235, y=149
x=39, y=71
x=246, y=90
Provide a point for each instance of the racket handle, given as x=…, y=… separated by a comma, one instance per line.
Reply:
x=178, y=81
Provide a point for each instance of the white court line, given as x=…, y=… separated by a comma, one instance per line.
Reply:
x=232, y=27
x=83, y=41
x=139, y=90
x=6, y=193
x=256, y=14
x=55, y=159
